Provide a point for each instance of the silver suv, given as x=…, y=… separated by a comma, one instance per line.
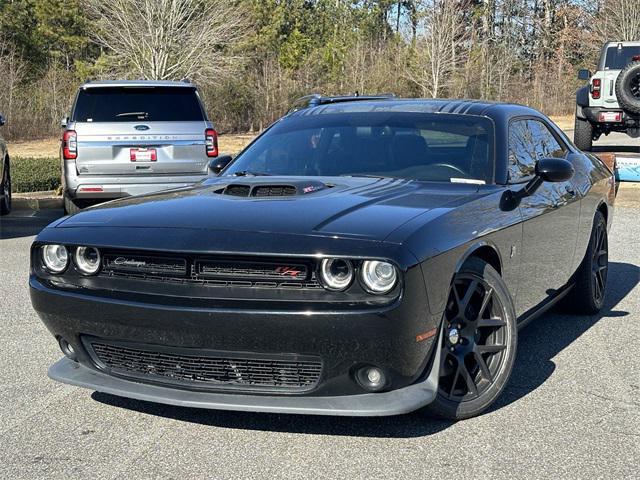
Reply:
x=134, y=137
x=611, y=100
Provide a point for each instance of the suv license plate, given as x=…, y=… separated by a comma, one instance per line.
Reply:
x=610, y=117
x=143, y=155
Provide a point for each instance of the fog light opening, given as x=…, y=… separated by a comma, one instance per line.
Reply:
x=371, y=378
x=67, y=349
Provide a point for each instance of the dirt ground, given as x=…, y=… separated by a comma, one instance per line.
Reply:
x=48, y=147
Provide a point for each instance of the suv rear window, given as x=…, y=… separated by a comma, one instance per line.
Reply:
x=134, y=104
x=618, y=58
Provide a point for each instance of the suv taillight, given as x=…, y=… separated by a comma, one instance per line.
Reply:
x=211, y=142
x=69, y=145
x=596, y=85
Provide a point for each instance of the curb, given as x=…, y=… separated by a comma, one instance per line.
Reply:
x=36, y=201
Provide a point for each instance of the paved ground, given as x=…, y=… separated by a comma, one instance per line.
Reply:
x=571, y=409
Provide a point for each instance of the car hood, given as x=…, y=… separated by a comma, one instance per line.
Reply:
x=354, y=207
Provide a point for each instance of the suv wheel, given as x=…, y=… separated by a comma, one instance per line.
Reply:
x=5, y=187
x=628, y=87
x=70, y=207
x=480, y=341
x=583, y=134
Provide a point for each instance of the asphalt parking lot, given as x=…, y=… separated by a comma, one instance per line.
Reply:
x=571, y=409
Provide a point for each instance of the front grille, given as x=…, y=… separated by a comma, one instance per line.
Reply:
x=214, y=272
x=211, y=369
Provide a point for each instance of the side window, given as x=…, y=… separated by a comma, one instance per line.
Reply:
x=529, y=141
x=546, y=144
x=522, y=151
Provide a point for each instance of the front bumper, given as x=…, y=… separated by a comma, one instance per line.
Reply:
x=394, y=402
x=345, y=340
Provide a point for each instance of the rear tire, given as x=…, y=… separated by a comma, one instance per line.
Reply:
x=5, y=188
x=588, y=293
x=628, y=88
x=583, y=134
x=70, y=207
x=479, y=344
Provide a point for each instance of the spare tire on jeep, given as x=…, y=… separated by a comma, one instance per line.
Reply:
x=628, y=87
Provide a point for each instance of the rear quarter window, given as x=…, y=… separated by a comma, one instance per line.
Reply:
x=135, y=104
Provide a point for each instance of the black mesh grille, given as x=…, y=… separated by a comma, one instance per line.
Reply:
x=215, y=272
x=233, y=371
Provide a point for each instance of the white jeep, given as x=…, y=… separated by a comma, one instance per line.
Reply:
x=611, y=101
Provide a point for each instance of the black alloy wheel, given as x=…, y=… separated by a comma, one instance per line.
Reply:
x=634, y=85
x=587, y=294
x=479, y=343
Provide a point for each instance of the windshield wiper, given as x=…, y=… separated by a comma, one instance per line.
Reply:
x=249, y=173
x=133, y=114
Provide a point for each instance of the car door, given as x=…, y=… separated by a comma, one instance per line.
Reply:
x=550, y=216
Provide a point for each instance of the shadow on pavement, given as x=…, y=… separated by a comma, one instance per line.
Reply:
x=539, y=343
x=615, y=148
x=26, y=223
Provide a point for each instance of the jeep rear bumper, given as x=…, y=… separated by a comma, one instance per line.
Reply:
x=592, y=114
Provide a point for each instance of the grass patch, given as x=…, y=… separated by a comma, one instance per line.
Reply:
x=29, y=174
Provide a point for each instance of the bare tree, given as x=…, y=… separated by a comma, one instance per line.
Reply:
x=169, y=39
x=434, y=60
x=620, y=19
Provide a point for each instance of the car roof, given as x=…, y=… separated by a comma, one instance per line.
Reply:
x=136, y=83
x=494, y=110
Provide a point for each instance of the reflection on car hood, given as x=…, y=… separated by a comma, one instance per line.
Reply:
x=368, y=208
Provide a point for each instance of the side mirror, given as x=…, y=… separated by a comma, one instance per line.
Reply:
x=584, y=74
x=554, y=169
x=64, y=122
x=547, y=170
x=3, y=120
x=216, y=165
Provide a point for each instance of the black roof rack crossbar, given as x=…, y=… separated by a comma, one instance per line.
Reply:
x=316, y=99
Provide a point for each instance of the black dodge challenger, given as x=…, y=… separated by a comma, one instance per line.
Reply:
x=363, y=256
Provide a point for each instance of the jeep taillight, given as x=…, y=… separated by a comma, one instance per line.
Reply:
x=596, y=86
x=211, y=142
x=69, y=145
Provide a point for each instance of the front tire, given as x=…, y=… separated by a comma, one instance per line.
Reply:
x=588, y=293
x=5, y=187
x=583, y=134
x=479, y=345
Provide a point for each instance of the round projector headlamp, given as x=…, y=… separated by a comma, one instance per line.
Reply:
x=87, y=260
x=336, y=273
x=378, y=277
x=55, y=258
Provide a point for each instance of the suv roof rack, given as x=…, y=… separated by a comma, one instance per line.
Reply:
x=316, y=99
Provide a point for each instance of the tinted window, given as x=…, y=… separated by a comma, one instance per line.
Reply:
x=529, y=141
x=618, y=58
x=125, y=104
x=394, y=144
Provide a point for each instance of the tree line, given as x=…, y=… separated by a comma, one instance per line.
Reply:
x=252, y=58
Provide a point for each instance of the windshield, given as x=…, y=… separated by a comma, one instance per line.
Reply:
x=618, y=58
x=421, y=146
x=134, y=104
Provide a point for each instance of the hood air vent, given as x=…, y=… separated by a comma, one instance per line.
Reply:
x=273, y=190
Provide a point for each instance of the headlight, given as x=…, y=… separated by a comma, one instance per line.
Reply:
x=55, y=258
x=378, y=277
x=87, y=260
x=336, y=273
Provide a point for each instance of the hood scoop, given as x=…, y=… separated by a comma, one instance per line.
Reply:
x=264, y=189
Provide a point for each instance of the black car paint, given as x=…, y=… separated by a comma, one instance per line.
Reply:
x=426, y=229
